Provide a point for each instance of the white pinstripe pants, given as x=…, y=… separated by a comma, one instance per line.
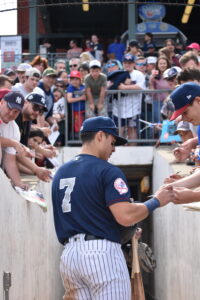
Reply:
x=94, y=270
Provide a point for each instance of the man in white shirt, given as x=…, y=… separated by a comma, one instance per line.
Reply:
x=32, y=77
x=128, y=107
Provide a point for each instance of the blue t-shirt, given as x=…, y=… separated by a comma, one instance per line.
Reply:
x=82, y=191
x=79, y=105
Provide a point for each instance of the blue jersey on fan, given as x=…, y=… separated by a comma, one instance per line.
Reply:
x=82, y=191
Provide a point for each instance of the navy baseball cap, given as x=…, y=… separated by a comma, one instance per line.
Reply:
x=128, y=57
x=106, y=125
x=37, y=99
x=183, y=96
x=14, y=100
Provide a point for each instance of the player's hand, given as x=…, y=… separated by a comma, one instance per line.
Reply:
x=43, y=174
x=165, y=195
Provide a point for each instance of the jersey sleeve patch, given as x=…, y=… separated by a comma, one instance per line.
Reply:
x=120, y=186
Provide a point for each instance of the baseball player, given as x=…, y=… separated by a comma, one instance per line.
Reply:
x=90, y=199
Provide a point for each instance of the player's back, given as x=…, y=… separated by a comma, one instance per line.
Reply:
x=79, y=198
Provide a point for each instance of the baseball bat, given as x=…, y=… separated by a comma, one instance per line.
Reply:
x=136, y=277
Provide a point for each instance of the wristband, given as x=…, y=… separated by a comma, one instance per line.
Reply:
x=152, y=204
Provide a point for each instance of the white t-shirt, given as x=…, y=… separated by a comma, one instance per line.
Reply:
x=130, y=105
x=59, y=106
x=18, y=87
x=10, y=131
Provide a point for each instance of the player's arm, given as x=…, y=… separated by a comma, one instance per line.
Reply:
x=127, y=214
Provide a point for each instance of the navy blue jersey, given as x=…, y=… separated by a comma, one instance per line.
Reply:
x=82, y=191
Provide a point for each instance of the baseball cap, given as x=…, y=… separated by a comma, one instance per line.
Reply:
x=94, y=63
x=171, y=72
x=134, y=44
x=49, y=72
x=151, y=60
x=183, y=96
x=32, y=72
x=111, y=63
x=182, y=126
x=14, y=100
x=128, y=57
x=23, y=67
x=9, y=71
x=193, y=46
x=3, y=92
x=75, y=74
x=37, y=99
x=105, y=124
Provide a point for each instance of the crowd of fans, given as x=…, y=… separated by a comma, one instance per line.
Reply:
x=36, y=99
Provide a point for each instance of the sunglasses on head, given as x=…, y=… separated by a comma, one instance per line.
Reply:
x=110, y=65
x=73, y=66
x=37, y=107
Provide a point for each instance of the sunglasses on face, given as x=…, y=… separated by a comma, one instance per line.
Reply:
x=60, y=85
x=140, y=64
x=73, y=66
x=37, y=107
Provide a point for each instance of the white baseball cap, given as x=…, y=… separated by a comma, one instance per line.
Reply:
x=151, y=60
x=94, y=63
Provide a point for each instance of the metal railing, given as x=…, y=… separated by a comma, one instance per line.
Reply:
x=142, y=126
x=11, y=60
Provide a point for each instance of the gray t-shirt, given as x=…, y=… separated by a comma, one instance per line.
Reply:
x=95, y=85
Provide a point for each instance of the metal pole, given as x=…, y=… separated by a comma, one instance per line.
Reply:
x=33, y=27
x=131, y=21
x=6, y=284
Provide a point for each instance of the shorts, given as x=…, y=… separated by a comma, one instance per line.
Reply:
x=90, y=113
x=129, y=122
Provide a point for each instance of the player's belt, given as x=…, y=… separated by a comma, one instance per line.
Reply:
x=87, y=237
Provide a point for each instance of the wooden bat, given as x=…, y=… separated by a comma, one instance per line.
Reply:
x=136, y=277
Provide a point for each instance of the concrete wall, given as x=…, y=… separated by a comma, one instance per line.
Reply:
x=29, y=248
x=176, y=241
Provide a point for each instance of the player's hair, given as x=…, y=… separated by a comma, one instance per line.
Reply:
x=188, y=75
x=87, y=137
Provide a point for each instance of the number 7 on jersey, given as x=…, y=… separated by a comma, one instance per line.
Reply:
x=67, y=183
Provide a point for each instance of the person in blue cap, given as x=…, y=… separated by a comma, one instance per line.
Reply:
x=91, y=199
x=186, y=101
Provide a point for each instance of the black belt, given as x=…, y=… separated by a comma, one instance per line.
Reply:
x=87, y=237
